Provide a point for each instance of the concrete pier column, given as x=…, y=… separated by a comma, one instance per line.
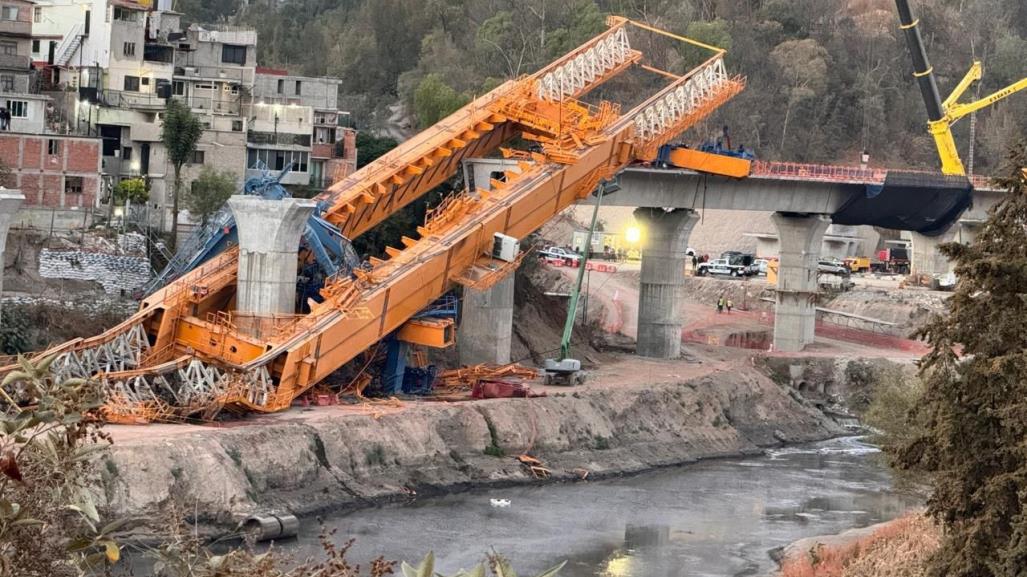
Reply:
x=925, y=258
x=486, y=324
x=269, y=240
x=663, y=274
x=10, y=202
x=796, y=313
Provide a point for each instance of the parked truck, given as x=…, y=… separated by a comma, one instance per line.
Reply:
x=892, y=260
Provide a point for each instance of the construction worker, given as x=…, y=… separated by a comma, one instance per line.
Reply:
x=729, y=305
x=720, y=304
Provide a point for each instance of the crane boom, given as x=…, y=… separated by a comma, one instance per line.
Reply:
x=183, y=354
x=942, y=115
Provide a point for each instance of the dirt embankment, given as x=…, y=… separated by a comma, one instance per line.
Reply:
x=338, y=457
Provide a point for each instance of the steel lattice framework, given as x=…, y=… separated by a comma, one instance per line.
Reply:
x=584, y=69
x=183, y=354
x=661, y=116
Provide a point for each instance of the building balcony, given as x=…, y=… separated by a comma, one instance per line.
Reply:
x=133, y=100
x=277, y=139
x=15, y=62
x=15, y=28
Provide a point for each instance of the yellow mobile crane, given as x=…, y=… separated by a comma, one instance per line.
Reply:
x=943, y=114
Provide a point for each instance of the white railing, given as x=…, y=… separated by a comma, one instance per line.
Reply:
x=574, y=76
x=660, y=116
x=65, y=50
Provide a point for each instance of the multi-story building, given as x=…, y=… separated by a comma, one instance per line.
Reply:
x=125, y=58
x=327, y=145
x=55, y=170
x=15, y=48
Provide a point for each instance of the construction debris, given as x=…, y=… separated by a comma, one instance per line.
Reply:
x=467, y=377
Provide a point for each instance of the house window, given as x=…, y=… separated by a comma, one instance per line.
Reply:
x=18, y=108
x=178, y=88
x=35, y=46
x=9, y=13
x=53, y=147
x=125, y=15
x=237, y=126
x=232, y=54
x=281, y=86
x=7, y=82
x=145, y=80
x=128, y=49
x=131, y=84
x=197, y=157
x=9, y=48
x=37, y=14
x=126, y=153
x=299, y=88
x=72, y=185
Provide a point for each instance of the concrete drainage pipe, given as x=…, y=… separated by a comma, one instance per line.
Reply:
x=267, y=527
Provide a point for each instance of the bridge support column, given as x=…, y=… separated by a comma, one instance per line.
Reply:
x=663, y=274
x=927, y=259
x=486, y=324
x=10, y=202
x=269, y=240
x=796, y=312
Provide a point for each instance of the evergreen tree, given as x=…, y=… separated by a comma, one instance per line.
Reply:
x=180, y=134
x=974, y=444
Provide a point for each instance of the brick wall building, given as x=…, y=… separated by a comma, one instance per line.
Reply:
x=53, y=171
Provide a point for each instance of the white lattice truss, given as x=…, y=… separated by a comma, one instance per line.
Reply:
x=194, y=386
x=574, y=76
x=662, y=115
x=122, y=353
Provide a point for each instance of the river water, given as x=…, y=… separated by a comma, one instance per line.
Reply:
x=715, y=518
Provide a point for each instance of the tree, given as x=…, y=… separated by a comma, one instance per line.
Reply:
x=974, y=410
x=49, y=436
x=133, y=190
x=180, y=134
x=435, y=100
x=209, y=192
x=370, y=148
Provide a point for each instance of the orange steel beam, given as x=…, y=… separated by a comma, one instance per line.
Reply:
x=403, y=285
x=581, y=144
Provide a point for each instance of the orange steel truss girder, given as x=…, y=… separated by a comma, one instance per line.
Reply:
x=221, y=367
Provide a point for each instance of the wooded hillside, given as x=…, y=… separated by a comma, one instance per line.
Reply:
x=827, y=78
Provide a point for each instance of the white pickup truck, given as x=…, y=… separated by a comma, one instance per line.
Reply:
x=561, y=254
x=721, y=266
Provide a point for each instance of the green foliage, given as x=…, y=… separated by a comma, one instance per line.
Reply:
x=370, y=148
x=49, y=441
x=974, y=409
x=133, y=190
x=209, y=192
x=207, y=11
x=434, y=100
x=892, y=400
x=715, y=33
x=180, y=134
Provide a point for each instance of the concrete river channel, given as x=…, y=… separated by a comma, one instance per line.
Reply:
x=714, y=518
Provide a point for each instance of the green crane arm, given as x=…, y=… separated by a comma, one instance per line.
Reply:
x=572, y=307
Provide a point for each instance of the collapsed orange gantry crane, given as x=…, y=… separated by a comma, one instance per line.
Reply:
x=183, y=355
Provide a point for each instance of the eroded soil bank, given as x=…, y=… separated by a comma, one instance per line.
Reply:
x=315, y=460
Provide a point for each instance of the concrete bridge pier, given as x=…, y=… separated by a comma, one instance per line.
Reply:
x=269, y=240
x=663, y=275
x=486, y=324
x=796, y=312
x=925, y=258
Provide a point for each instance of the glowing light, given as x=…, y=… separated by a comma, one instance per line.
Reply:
x=633, y=235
